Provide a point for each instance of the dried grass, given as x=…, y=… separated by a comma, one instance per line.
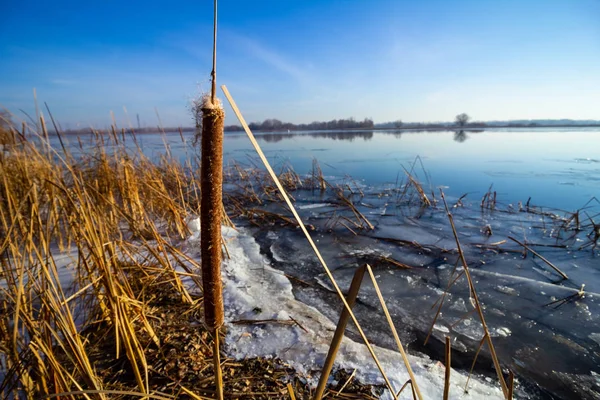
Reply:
x=122, y=325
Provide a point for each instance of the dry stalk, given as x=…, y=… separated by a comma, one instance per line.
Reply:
x=291, y=391
x=346, y=383
x=535, y=253
x=475, y=298
x=359, y=216
x=448, y=369
x=419, y=188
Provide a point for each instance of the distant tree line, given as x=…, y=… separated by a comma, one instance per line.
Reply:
x=273, y=125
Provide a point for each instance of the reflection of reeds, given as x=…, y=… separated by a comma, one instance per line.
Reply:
x=574, y=297
x=594, y=234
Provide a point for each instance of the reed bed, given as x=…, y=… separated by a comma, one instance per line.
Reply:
x=110, y=212
x=92, y=297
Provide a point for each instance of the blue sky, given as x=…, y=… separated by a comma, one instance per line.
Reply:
x=304, y=60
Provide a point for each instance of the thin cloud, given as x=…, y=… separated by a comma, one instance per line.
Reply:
x=274, y=59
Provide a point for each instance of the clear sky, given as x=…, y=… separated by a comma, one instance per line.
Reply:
x=304, y=60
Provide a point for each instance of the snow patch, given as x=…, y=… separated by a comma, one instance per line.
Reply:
x=193, y=225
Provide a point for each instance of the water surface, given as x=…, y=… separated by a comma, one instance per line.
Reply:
x=557, y=168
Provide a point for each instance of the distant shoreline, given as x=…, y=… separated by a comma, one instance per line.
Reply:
x=432, y=128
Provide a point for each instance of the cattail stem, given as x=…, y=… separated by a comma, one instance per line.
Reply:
x=217, y=365
x=214, y=68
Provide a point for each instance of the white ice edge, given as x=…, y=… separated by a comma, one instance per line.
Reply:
x=254, y=290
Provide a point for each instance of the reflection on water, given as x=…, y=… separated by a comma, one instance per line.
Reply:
x=333, y=135
x=552, y=166
x=555, y=167
x=460, y=136
x=350, y=136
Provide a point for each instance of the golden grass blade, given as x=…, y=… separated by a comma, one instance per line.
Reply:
x=291, y=391
x=408, y=382
x=194, y=395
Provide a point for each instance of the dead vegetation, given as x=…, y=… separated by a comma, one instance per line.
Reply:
x=92, y=299
x=111, y=213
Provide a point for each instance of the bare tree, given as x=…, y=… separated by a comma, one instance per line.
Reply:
x=462, y=119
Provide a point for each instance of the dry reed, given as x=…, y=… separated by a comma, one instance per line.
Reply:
x=92, y=207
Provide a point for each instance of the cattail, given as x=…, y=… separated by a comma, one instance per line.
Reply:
x=213, y=117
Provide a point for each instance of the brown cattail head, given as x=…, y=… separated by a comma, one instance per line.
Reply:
x=213, y=117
